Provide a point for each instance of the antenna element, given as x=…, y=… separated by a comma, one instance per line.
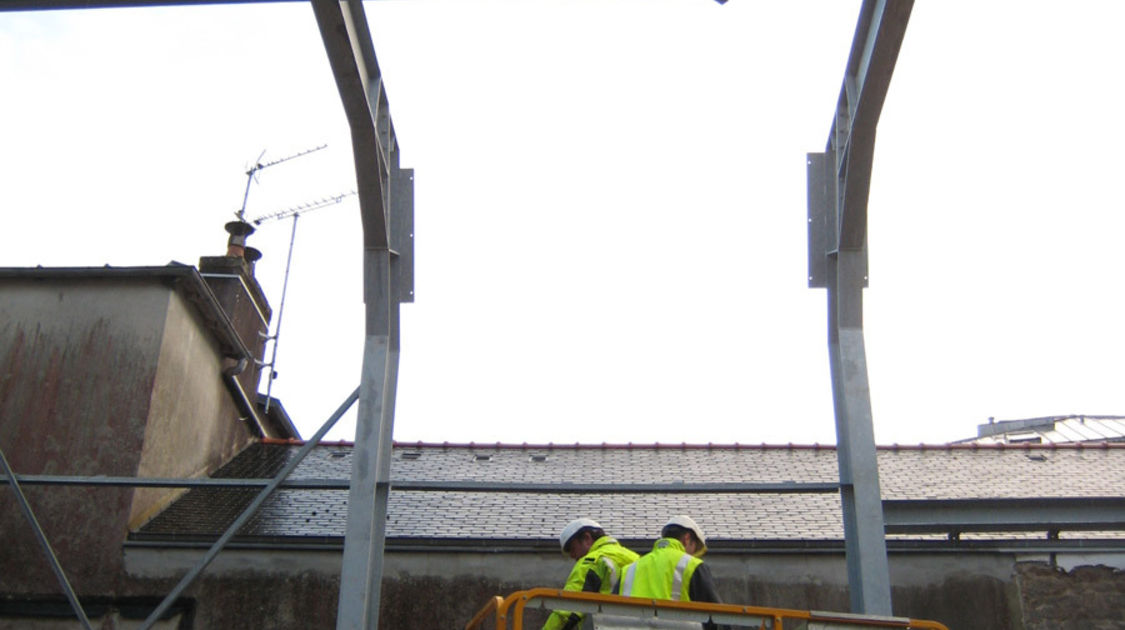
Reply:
x=258, y=166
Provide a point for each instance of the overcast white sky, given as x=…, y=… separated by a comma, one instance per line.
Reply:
x=610, y=204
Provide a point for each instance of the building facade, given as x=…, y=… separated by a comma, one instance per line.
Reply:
x=151, y=372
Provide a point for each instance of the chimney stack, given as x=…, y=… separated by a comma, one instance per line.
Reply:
x=231, y=278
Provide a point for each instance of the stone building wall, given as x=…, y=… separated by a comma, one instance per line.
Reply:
x=290, y=590
x=444, y=589
x=1084, y=598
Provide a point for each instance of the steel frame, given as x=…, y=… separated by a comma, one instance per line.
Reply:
x=29, y=514
x=386, y=198
x=438, y=486
x=954, y=542
x=247, y=513
x=838, y=184
x=839, y=180
x=901, y=516
x=955, y=516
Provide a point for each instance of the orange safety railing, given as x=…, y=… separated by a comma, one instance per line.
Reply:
x=484, y=613
x=512, y=609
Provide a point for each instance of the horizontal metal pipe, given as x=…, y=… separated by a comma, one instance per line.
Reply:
x=724, y=547
x=440, y=486
x=550, y=446
x=618, y=488
x=902, y=516
x=43, y=5
x=152, y=482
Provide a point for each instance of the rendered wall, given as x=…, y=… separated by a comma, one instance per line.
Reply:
x=965, y=591
x=77, y=362
x=101, y=376
x=968, y=590
x=193, y=425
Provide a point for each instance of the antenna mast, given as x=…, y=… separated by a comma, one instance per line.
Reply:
x=294, y=212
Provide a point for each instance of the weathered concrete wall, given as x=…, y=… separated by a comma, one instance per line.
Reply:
x=193, y=425
x=1085, y=598
x=972, y=590
x=296, y=590
x=964, y=591
x=77, y=364
x=443, y=590
x=101, y=376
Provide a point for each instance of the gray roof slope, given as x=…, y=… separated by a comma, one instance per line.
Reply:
x=939, y=472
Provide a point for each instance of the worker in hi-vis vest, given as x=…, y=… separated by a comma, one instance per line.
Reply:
x=599, y=560
x=673, y=569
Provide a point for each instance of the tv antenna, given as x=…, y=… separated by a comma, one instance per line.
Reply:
x=252, y=173
x=299, y=209
x=294, y=212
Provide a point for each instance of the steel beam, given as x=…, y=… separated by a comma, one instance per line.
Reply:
x=246, y=514
x=616, y=488
x=351, y=55
x=46, y=5
x=838, y=184
x=865, y=544
x=878, y=37
x=954, y=516
x=177, y=482
x=386, y=201
x=436, y=486
x=365, y=535
x=29, y=514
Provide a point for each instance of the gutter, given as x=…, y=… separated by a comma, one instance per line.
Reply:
x=724, y=548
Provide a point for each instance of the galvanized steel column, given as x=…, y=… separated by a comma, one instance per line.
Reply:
x=843, y=273
x=838, y=183
x=860, y=500
x=362, y=571
x=386, y=201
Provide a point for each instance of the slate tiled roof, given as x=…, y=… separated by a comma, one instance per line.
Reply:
x=937, y=472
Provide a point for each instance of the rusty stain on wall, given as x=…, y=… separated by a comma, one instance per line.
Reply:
x=103, y=374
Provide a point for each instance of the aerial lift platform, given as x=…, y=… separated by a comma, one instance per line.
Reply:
x=614, y=612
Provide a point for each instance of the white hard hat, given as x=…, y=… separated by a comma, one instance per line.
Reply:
x=687, y=522
x=572, y=528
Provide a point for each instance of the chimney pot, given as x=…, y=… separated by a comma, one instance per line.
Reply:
x=251, y=255
x=239, y=228
x=236, y=244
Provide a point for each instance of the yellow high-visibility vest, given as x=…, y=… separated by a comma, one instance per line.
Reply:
x=663, y=573
x=606, y=558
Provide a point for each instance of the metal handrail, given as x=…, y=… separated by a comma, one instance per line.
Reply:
x=491, y=607
x=512, y=608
